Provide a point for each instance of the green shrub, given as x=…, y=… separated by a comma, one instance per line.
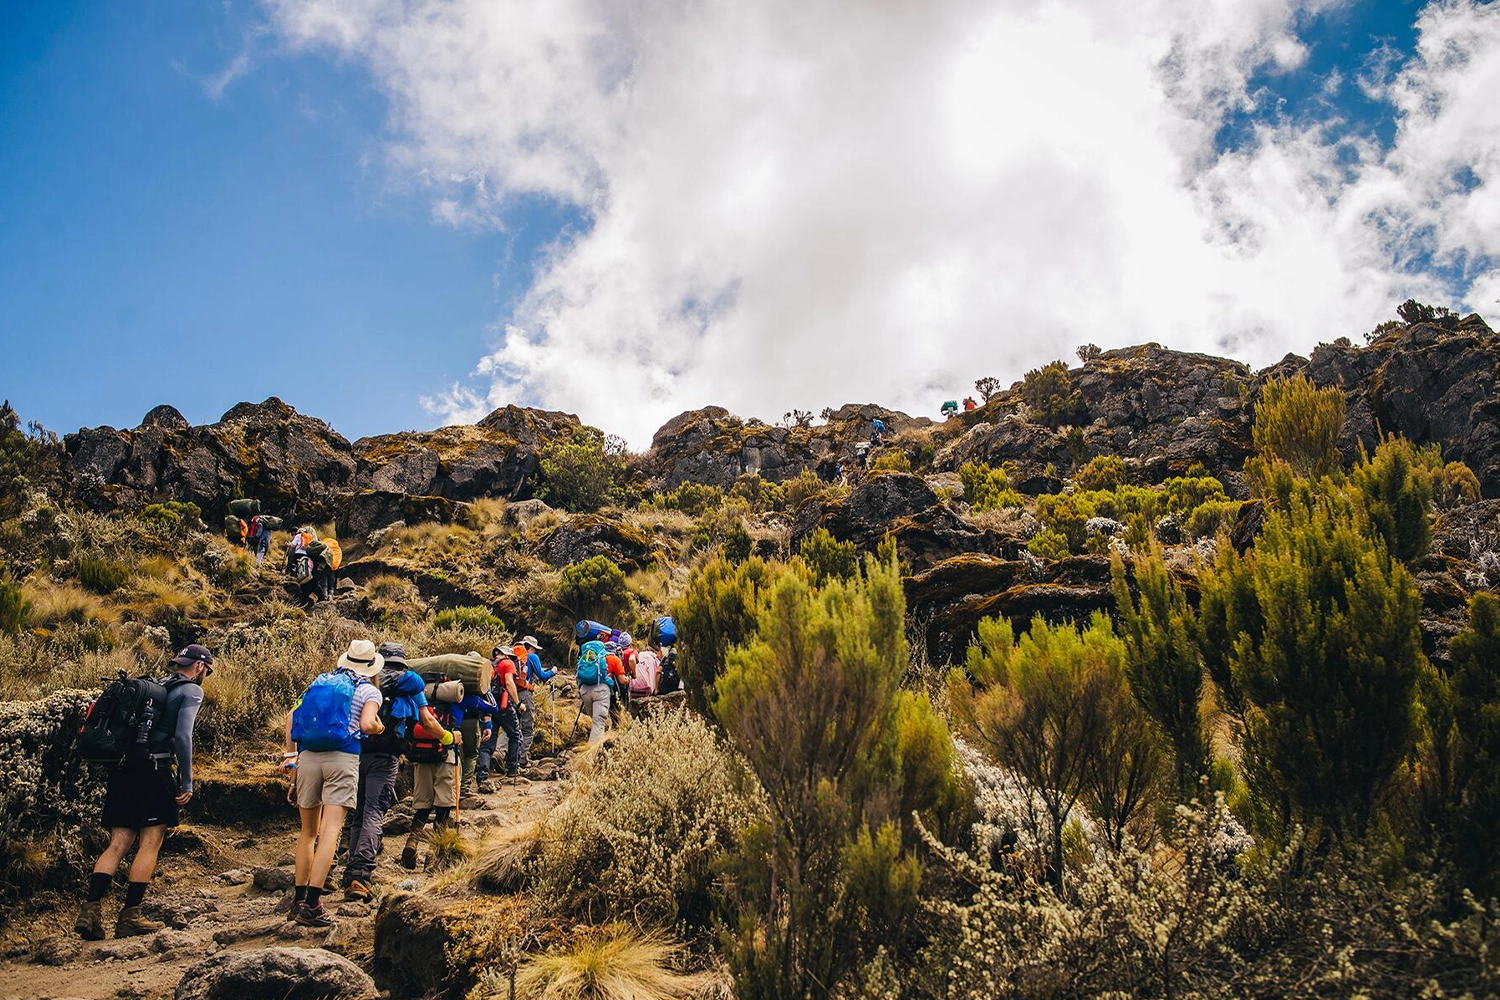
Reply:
x=166, y=518
x=581, y=472
x=802, y=488
x=1299, y=424
x=715, y=612
x=1049, y=544
x=1104, y=472
x=737, y=543
x=892, y=461
x=14, y=607
x=468, y=619
x=1208, y=519
x=986, y=488
x=1312, y=639
x=692, y=498
x=1395, y=489
x=595, y=589
x=759, y=493
x=828, y=558
x=102, y=576
x=1049, y=392
x=1162, y=664
x=812, y=704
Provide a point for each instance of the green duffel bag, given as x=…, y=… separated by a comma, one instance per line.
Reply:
x=234, y=529
x=271, y=522
x=245, y=508
x=471, y=668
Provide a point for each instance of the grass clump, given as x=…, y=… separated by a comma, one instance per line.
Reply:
x=102, y=576
x=467, y=619
x=614, y=963
x=14, y=607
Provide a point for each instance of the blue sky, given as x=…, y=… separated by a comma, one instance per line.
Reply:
x=203, y=203
x=157, y=245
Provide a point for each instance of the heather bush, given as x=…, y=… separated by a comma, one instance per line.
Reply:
x=165, y=519
x=1049, y=544
x=892, y=461
x=801, y=488
x=827, y=557
x=14, y=607
x=1049, y=392
x=581, y=471
x=716, y=611
x=693, y=498
x=1103, y=472
x=468, y=618
x=1394, y=487
x=1312, y=640
x=1299, y=424
x=595, y=589
x=759, y=493
x=646, y=824
x=986, y=488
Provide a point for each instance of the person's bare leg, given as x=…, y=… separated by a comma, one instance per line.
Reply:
x=144, y=865
x=328, y=842
x=306, y=840
x=120, y=841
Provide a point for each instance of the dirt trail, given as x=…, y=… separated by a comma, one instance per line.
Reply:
x=224, y=883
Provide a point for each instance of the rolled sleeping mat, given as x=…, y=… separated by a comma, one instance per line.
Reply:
x=448, y=692
x=246, y=508
x=471, y=668
x=586, y=631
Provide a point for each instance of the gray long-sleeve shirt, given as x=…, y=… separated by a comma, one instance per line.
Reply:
x=175, y=728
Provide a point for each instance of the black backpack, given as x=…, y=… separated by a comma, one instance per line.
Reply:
x=669, y=680
x=393, y=739
x=122, y=718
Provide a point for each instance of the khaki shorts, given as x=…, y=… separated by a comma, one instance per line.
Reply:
x=327, y=778
x=433, y=785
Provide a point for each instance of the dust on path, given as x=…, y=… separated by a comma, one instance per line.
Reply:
x=205, y=877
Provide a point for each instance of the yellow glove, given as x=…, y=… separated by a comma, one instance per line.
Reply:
x=447, y=739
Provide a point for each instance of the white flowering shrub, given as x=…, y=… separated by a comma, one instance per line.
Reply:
x=649, y=815
x=46, y=792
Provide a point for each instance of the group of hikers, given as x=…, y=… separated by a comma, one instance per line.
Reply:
x=311, y=560
x=344, y=743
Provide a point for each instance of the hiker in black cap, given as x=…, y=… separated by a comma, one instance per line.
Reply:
x=143, y=795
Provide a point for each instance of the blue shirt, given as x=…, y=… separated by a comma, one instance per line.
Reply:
x=534, y=671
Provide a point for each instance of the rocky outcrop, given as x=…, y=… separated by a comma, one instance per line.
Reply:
x=425, y=949
x=589, y=535
x=1161, y=409
x=360, y=514
x=1425, y=382
x=906, y=508
x=714, y=447
x=285, y=973
x=295, y=464
x=497, y=457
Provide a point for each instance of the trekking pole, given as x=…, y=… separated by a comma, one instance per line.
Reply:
x=458, y=785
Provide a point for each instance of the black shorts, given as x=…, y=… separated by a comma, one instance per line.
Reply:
x=140, y=793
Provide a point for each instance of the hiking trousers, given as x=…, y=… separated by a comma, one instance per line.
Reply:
x=593, y=701
x=365, y=822
x=528, y=726
x=469, y=730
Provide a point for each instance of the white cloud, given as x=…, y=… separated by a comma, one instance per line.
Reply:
x=804, y=203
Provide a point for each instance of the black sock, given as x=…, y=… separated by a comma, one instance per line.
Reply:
x=98, y=886
x=135, y=893
x=299, y=893
x=314, y=893
x=419, y=819
x=442, y=815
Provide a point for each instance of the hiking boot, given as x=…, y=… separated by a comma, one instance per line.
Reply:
x=357, y=892
x=133, y=923
x=90, y=922
x=314, y=916
x=409, y=852
x=297, y=907
x=484, y=787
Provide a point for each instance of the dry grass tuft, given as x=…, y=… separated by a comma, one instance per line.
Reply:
x=54, y=604
x=616, y=963
x=448, y=847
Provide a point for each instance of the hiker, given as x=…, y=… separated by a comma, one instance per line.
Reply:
x=647, y=672
x=143, y=796
x=324, y=733
x=298, y=562
x=877, y=431
x=535, y=674
x=403, y=707
x=969, y=405
x=625, y=676
x=950, y=409
x=259, y=538
x=669, y=680
x=434, y=762
x=326, y=557
x=505, y=691
x=592, y=674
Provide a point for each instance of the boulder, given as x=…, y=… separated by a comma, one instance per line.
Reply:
x=416, y=941
x=361, y=514
x=587, y=535
x=284, y=973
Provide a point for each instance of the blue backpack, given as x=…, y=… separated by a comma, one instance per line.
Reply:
x=592, y=665
x=321, y=720
x=666, y=631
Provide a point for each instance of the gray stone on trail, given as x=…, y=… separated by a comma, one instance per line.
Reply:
x=272, y=879
x=354, y=910
x=284, y=973
x=245, y=931
x=236, y=876
x=178, y=942
x=59, y=949
x=123, y=950
x=286, y=861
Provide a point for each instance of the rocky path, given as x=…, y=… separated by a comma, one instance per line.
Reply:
x=224, y=890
